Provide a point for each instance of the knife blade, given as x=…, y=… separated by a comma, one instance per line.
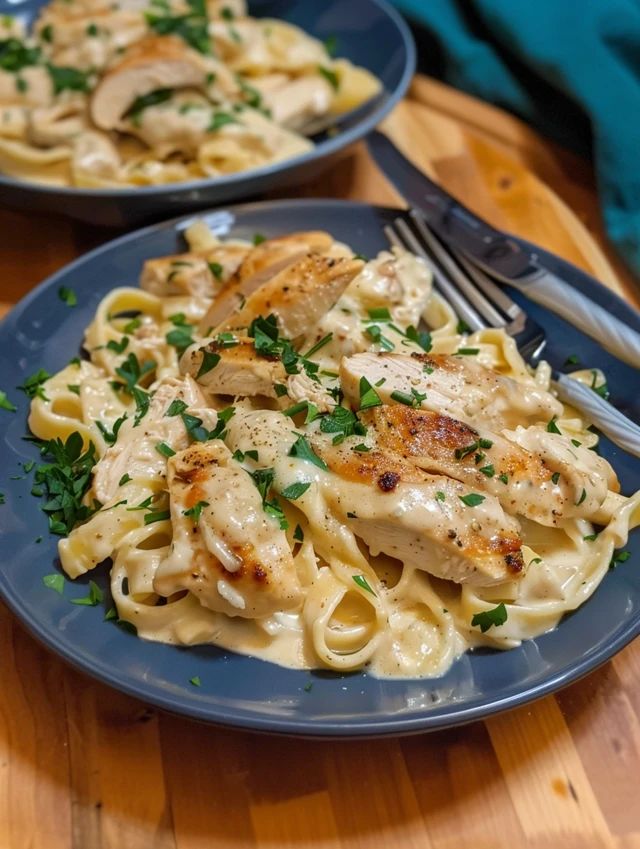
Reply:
x=499, y=255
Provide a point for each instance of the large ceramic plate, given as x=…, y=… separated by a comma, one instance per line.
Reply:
x=241, y=691
x=368, y=32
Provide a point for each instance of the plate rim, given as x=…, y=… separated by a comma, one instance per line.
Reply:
x=240, y=717
x=327, y=147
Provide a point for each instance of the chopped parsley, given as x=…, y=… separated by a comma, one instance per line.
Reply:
x=195, y=681
x=124, y=479
x=93, y=598
x=176, y=407
x=156, y=516
x=368, y=396
x=324, y=341
x=555, y=477
x=572, y=360
x=583, y=495
x=46, y=33
x=110, y=436
x=191, y=27
x=412, y=400
x=216, y=269
x=303, y=451
x=70, y=79
x=552, y=427
x=298, y=534
x=132, y=372
x=92, y=30
x=195, y=512
x=461, y=453
x=603, y=389
x=440, y=496
x=32, y=387
x=488, y=471
x=590, y=537
x=331, y=45
x=153, y=98
x=55, y=582
x=619, y=557
x=311, y=409
x=258, y=239
x=67, y=296
x=209, y=361
x=503, y=478
x=118, y=347
x=468, y=352
x=74, y=387
x=182, y=334
x=263, y=479
x=362, y=582
x=490, y=618
x=219, y=120
x=330, y=76
x=14, y=55
x=343, y=423
x=295, y=490
x=374, y=333
x=164, y=449
x=64, y=481
x=379, y=314
x=473, y=499
x=420, y=337
x=5, y=403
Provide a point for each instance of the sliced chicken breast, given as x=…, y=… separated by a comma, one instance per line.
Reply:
x=525, y=482
x=156, y=62
x=191, y=273
x=260, y=264
x=134, y=452
x=454, y=385
x=233, y=557
x=299, y=295
x=422, y=519
x=238, y=370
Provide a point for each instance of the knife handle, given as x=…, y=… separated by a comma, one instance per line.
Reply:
x=614, y=424
x=557, y=296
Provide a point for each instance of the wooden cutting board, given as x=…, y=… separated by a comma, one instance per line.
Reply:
x=82, y=767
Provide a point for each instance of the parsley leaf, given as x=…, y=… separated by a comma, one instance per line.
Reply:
x=5, y=403
x=54, y=582
x=176, y=407
x=298, y=534
x=164, y=449
x=552, y=427
x=295, y=490
x=94, y=597
x=153, y=98
x=196, y=511
x=209, y=361
x=32, y=387
x=420, y=337
x=68, y=296
x=330, y=76
x=368, y=395
x=473, y=499
x=362, y=582
x=303, y=451
x=490, y=618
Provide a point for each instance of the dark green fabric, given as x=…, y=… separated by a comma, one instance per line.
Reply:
x=569, y=67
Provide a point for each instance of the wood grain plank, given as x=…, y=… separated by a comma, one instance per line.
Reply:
x=544, y=773
x=460, y=789
x=617, y=744
x=35, y=808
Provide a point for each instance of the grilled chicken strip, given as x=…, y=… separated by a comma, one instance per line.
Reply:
x=420, y=518
x=535, y=484
x=191, y=273
x=260, y=264
x=238, y=369
x=391, y=504
x=299, y=295
x=234, y=557
x=454, y=385
x=156, y=62
x=134, y=451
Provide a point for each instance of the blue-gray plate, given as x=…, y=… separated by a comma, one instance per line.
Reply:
x=44, y=332
x=370, y=33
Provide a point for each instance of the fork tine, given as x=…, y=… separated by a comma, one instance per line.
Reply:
x=458, y=274
x=496, y=294
x=400, y=235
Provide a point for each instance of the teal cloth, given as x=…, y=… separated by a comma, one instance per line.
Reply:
x=569, y=67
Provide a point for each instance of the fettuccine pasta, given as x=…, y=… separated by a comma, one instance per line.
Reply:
x=303, y=455
x=102, y=94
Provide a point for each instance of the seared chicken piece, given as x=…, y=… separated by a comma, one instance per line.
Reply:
x=134, y=451
x=587, y=476
x=238, y=371
x=299, y=295
x=421, y=519
x=522, y=480
x=454, y=385
x=162, y=62
x=390, y=503
x=234, y=557
x=259, y=265
x=191, y=273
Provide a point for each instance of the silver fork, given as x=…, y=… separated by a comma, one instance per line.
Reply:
x=480, y=303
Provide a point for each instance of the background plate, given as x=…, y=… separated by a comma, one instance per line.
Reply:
x=240, y=691
x=368, y=32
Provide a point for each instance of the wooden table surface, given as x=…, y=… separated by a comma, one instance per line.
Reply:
x=83, y=767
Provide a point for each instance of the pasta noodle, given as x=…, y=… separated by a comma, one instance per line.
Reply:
x=357, y=491
x=101, y=94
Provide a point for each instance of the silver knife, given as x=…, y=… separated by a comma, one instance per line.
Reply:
x=501, y=256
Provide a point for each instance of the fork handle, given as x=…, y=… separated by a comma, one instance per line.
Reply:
x=557, y=296
x=614, y=424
